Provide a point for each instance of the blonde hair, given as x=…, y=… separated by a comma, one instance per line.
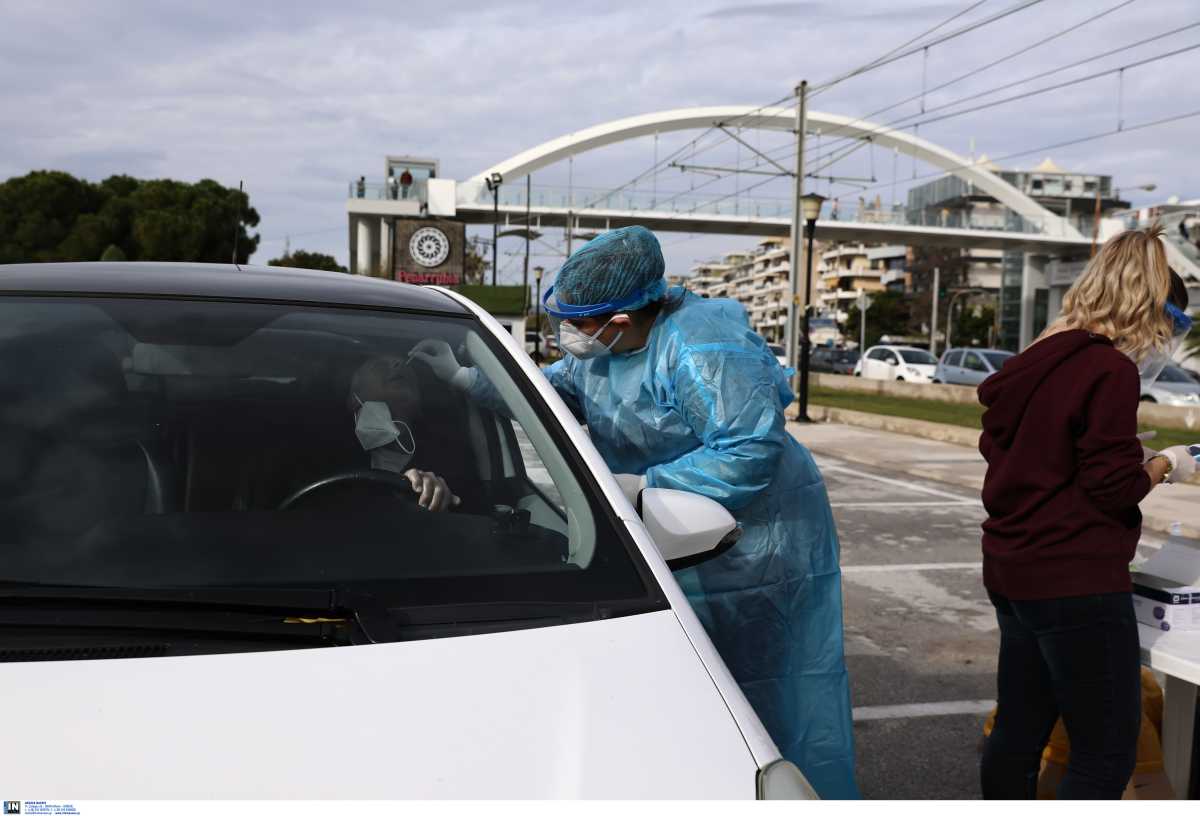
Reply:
x=1122, y=294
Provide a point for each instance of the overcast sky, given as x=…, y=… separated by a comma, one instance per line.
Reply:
x=299, y=98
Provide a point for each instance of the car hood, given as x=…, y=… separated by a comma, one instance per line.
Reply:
x=620, y=708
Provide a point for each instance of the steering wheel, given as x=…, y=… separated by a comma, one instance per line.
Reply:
x=399, y=484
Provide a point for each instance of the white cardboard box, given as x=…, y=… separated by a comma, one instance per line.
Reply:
x=1166, y=588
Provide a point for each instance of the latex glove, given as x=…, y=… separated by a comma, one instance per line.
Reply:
x=435, y=493
x=440, y=358
x=1147, y=453
x=631, y=484
x=1183, y=466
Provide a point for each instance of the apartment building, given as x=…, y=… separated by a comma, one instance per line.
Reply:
x=759, y=280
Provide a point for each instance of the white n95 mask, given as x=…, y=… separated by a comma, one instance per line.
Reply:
x=585, y=346
x=375, y=428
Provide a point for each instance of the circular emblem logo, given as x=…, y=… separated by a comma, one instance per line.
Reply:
x=429, y=246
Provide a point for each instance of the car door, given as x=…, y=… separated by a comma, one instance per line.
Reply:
x=974, y=369
x=872, y=365
x=889, y=365
x=951, y=372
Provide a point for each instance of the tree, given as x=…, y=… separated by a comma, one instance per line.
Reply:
x=303, y=259
x=47, y=215
x=973, y=326
x=952, y=266
x=113, y=253
x=889, y=313
x=474, y=264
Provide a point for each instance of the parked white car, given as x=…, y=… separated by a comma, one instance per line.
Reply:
x=780, y=354
x=896, y=363
x=210, y=591
x=1174, y=386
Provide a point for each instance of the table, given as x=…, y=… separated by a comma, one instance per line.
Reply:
x=1177, y=655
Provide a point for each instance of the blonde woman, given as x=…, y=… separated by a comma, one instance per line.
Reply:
x=1065, y=474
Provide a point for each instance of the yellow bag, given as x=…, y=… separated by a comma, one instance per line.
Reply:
x=1148, y=782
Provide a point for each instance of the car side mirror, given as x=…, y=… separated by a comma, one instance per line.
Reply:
x=687, y=528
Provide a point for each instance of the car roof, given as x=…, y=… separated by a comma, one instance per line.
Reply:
x=221, y=281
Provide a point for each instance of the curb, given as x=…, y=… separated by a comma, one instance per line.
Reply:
x=938, y=432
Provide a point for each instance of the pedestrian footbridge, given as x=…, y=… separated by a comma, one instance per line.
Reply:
x=1029, y=226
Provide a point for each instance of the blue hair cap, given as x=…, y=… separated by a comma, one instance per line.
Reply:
x=623, y=266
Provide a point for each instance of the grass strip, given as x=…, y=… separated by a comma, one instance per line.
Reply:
x=951, y=413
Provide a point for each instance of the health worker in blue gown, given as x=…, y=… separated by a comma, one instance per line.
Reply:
x=679, y=392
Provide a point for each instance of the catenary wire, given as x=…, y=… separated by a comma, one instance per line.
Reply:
x=987, y=66
x=1018, y=7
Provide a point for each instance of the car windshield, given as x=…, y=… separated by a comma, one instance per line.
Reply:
x=777, y=350
x=998, y=358
x=918, y=357
x=171, y=443
x=1174, y=374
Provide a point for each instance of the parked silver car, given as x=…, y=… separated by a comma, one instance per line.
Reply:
x=960, y=366
x=1173, y=387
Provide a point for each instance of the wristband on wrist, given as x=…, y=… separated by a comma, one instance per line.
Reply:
x=1167, y=457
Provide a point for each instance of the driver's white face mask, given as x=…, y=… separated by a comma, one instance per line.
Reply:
x=375, y=428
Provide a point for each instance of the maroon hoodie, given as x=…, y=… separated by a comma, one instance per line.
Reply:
x=1064, y=473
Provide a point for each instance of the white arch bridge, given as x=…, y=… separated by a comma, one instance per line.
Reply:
x=1029, y=227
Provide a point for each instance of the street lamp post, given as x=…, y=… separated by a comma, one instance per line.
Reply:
x=950, y=311
x=493, y=184
x=811, y=205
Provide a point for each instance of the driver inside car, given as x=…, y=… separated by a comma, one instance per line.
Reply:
x=385, y=401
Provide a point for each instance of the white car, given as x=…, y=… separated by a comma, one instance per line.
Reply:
x=897, y=363
x=780, y=354
x=212, y=591
x=1174, y=386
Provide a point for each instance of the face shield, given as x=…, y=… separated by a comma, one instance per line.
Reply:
x=573, y=340
x=1156, y=360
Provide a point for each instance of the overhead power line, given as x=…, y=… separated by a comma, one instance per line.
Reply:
x=879, y=63
x=907, y=121
x=907, y=43
x=1010, y=56
x=1058, y=86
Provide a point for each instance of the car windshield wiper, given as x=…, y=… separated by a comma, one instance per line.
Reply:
x=327, y=614
x=466, y=618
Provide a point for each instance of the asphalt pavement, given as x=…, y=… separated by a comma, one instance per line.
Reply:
x=921, y=636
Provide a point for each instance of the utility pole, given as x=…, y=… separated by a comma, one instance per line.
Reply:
x=933, y=297
x=793, y=335
x=864, y=303
x=525, y=277
x=493, y=183
x=570, y=230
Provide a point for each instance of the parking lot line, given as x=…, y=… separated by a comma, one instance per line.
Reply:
x=885, y=504
x=835, y=468
x=946, y=565
x=908, y=710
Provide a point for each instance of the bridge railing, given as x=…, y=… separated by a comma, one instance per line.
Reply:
x=389, y=190
x=688, y=202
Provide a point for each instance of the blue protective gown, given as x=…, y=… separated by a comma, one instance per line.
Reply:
x=700, y=408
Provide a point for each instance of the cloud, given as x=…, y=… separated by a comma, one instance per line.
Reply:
x=298, y=100
x=769, y=10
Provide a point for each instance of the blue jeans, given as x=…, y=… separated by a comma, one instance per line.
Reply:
x=1077, y=658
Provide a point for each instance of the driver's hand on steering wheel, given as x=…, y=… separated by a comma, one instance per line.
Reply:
x=435, y=493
